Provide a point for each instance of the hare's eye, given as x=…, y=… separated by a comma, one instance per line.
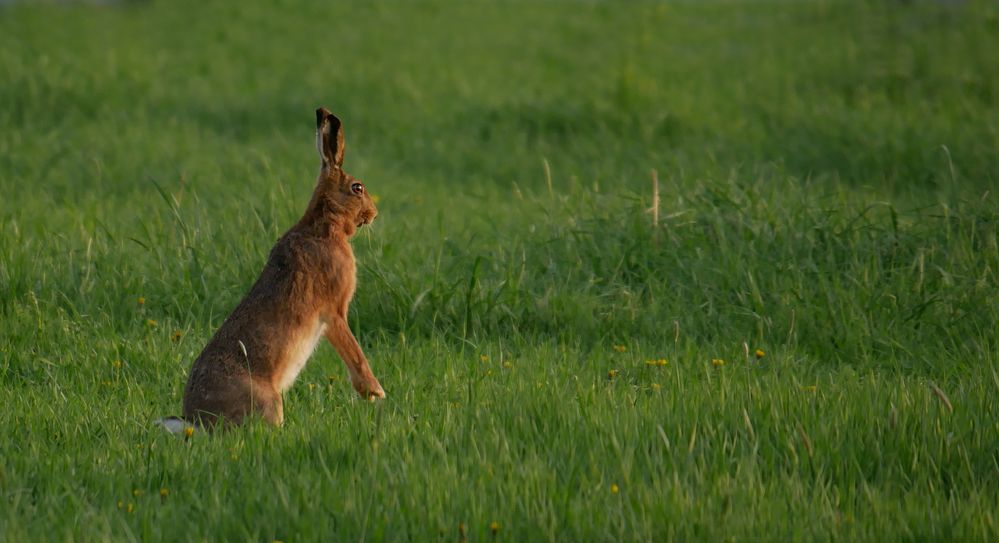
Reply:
x=357, y=188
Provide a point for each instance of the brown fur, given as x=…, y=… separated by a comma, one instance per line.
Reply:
x=302, y=294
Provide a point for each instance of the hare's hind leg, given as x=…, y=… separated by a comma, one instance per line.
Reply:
x=267, y=402
x=364, y=381
x=253, y=397
x=229, y=399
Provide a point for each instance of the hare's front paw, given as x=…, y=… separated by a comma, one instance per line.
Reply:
x=369, y=389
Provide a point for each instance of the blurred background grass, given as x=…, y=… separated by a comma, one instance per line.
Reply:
x=827, y=174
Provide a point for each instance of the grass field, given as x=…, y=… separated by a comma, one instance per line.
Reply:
x=828, y=180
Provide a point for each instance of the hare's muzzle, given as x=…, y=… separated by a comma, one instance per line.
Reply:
x=366, y=217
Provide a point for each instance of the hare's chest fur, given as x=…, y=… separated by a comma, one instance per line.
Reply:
x=299, y=350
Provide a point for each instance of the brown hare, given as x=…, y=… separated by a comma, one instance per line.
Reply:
x=301, y=295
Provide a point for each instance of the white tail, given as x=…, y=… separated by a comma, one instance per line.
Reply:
x=174, y=425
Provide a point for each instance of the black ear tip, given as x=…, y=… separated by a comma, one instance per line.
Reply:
x=322, y=115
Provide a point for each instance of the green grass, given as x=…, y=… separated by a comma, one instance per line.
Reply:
x=828, y=181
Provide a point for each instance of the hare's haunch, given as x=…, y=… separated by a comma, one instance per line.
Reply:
x=302, y=295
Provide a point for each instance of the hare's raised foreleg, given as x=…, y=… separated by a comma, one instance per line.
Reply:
x=342, y=339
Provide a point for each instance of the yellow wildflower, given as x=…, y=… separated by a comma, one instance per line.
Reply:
x=717, y=362
x=494, y=527
x=189, y=431
x=141, y=300
x=759, y=354
x=655, y=386
x=312, y=386
x=121, y=504
x=614, y=489
x=177, y=334
x=116, y=363
x=136, y=492
x=620, y=348
x=810, y=388
x=611, y=374
x=507, y=364
x=660, y=362
x=164, y=492
x=151, y=323
x=484, y=358
x=131, y=507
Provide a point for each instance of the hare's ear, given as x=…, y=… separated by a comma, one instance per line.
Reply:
x=329, y=138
